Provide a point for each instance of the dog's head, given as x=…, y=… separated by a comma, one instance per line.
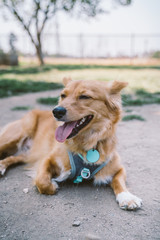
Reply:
x=89, y=110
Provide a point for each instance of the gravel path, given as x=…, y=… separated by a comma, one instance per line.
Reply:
x=27, y=215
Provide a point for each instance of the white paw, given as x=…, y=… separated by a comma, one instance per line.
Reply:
x=54, y=183
x=128, y=201
x=2, y=169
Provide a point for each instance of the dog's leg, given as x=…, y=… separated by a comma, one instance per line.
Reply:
x=126, y=200
x=5, y=163
x=10, y=135
x=13, y=132
x=48, y=168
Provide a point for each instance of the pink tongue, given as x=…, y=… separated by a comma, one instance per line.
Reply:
x=64, y=131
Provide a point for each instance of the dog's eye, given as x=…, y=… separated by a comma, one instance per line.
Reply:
x=63, y=95
x=84, y=97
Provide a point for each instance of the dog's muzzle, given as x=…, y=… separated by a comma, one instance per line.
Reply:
x=59, y=112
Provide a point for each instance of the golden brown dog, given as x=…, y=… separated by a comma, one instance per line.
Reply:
x=87, y=115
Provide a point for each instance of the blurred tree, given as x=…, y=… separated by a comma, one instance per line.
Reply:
x=12, y=40
x=34, y=14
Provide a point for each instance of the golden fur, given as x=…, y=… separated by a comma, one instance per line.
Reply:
x=32, y=139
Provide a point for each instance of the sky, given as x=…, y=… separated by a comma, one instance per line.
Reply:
x=142, y=16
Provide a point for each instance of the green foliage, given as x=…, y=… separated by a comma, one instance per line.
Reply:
x=68, y=67
x=48, y=101
x=63, y=67
x=86, y=7
x=128, y=101
x=26, y=70
x=133, y=117
x=142, y=93
x=142, y=97
x=128, y=110
x=21, y=108
x=10, y=87
x=124, y=2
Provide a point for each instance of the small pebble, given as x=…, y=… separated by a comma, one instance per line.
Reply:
x=76, y=223
x=25, y=190
x=92, y=237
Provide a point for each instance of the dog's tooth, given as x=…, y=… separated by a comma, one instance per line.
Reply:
x=83, y=120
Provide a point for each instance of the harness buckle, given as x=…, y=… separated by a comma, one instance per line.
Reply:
x=78, y=179
x=85, y=173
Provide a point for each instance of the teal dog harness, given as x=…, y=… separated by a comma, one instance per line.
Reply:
x=81, y=170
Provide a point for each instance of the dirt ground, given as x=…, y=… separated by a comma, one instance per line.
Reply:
x=28, y=216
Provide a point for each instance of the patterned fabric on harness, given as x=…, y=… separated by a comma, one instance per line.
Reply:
x=81, y=170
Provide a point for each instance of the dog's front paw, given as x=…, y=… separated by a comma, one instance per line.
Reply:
x=49, y=188
x=2, y=169
x=128, y=201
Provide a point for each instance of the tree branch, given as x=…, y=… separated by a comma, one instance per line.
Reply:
x=37, y=3
x=46, y=17
x=13, y=10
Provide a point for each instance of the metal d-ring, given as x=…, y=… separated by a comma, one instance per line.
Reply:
x=85, y=173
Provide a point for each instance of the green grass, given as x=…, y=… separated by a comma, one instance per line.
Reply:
x=143, y=93
x=10, y=87
x=141, y=97
x=132, y=102
x=128, y=110
x=133, y=117
x=68, y=67
x=21, y=108
x=48, y=101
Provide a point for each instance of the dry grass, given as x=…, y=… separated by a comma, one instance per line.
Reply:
x=95, y=61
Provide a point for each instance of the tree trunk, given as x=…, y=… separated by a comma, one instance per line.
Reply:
x=39, y=48
x=39, y=54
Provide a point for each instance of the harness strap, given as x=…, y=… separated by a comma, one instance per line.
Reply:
x=83, y=170
x=101, y=166
x=73, y=167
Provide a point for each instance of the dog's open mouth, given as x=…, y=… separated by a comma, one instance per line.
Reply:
x=70, y=129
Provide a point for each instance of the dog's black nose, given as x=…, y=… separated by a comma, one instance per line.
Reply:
x=59, y=112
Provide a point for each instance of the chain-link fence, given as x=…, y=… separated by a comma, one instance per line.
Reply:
x=93, y=46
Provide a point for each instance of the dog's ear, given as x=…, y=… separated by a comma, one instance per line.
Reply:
x=66, y=80
x=113, y=100
x=116, y=87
